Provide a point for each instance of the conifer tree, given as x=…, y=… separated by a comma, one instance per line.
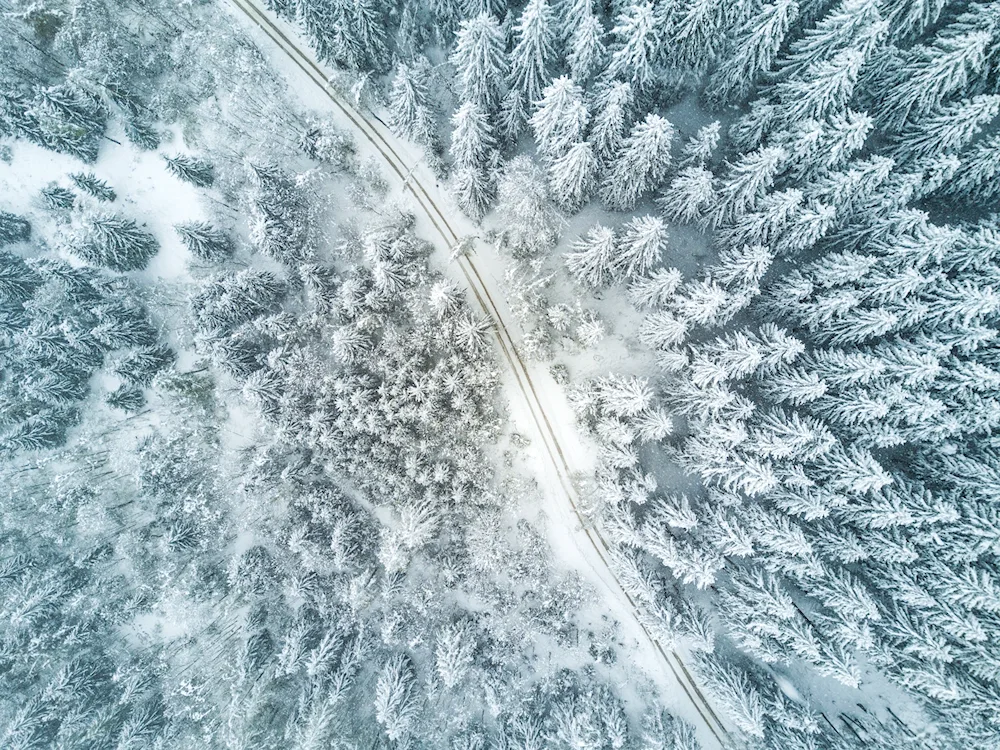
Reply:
x=472, y=139
x=852, y=24
x=13, y=228
x=592, y=257
x=746, y=182
x=612, y=115
x=980, y=168
x=587, y=51
x=513, y=117
x=534, y=54
x=696, y=32
x=635, y=46
x=55, y=197
x=656, y=289
x=480, y=62
x=142, y=134
x=191, y=169
x=89, y=183
x=454, y=653
x=573, y=175
x=641, y=245
x=825, y=87
x=395, y=700
x=922, y=80
x=128, y=398
x=947, y=130
x=909, y=19
x=689, y=195
x=524, y=207
x=66, y=118
x=115, y=242
x=205, y=241
x=642, y=164
x=370, y=29
x=752, y=51
x=319, y=19
x=473, y=189
x=700, y=147
x=409, y=102
x=814, y=148
x=560, y=118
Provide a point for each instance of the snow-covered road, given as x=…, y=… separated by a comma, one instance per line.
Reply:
x=538, y=406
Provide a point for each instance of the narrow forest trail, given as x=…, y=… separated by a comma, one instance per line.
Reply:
x=551, y=421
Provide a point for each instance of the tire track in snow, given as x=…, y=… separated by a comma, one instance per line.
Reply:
x=481, y=292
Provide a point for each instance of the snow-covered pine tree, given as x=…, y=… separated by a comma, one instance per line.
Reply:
x=13, y=228
x=641, y=245
x=533, y=56
x=825, y=87
x=524, y=207
x=947, y=130
x=907, y=20
x=642, y=163
x=635, y=46
x=655, y=289
x=751, y=51
x=115, y=242
x=701, y=146
x=977, y=179
x=473, y=188
x=746, y=182
x=57, y=197
x=89, y=183
x=396, y=703
x=695, y=33
x=480, y=62
x=513, y=116
x=689, y=195
x=409, y=102
x=191, y=169
x=851, y=24
x=587, y=52
x=560, y=118
x=573, y=176
x=612, y=110
x=472, y=141
x=592, y=257
x=920, y=80
x=816, y=148
x=205, y=241
x=369, y=28
x=454, y=653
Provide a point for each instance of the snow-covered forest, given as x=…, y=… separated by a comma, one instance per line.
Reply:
x=499, y=374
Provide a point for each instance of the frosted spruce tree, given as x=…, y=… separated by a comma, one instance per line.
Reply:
x=560, y=117
x=114, y=242
x=635, y=46
x=612, y=115
x=573, y=176
x=409, y=101
x=642, y=163
x=472, y=139
x=588, y=52
x=533, y=56
x=751, y=51
x=480, y=62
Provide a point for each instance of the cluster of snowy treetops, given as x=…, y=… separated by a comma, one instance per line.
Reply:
x=833, y=378
x=356, y=577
